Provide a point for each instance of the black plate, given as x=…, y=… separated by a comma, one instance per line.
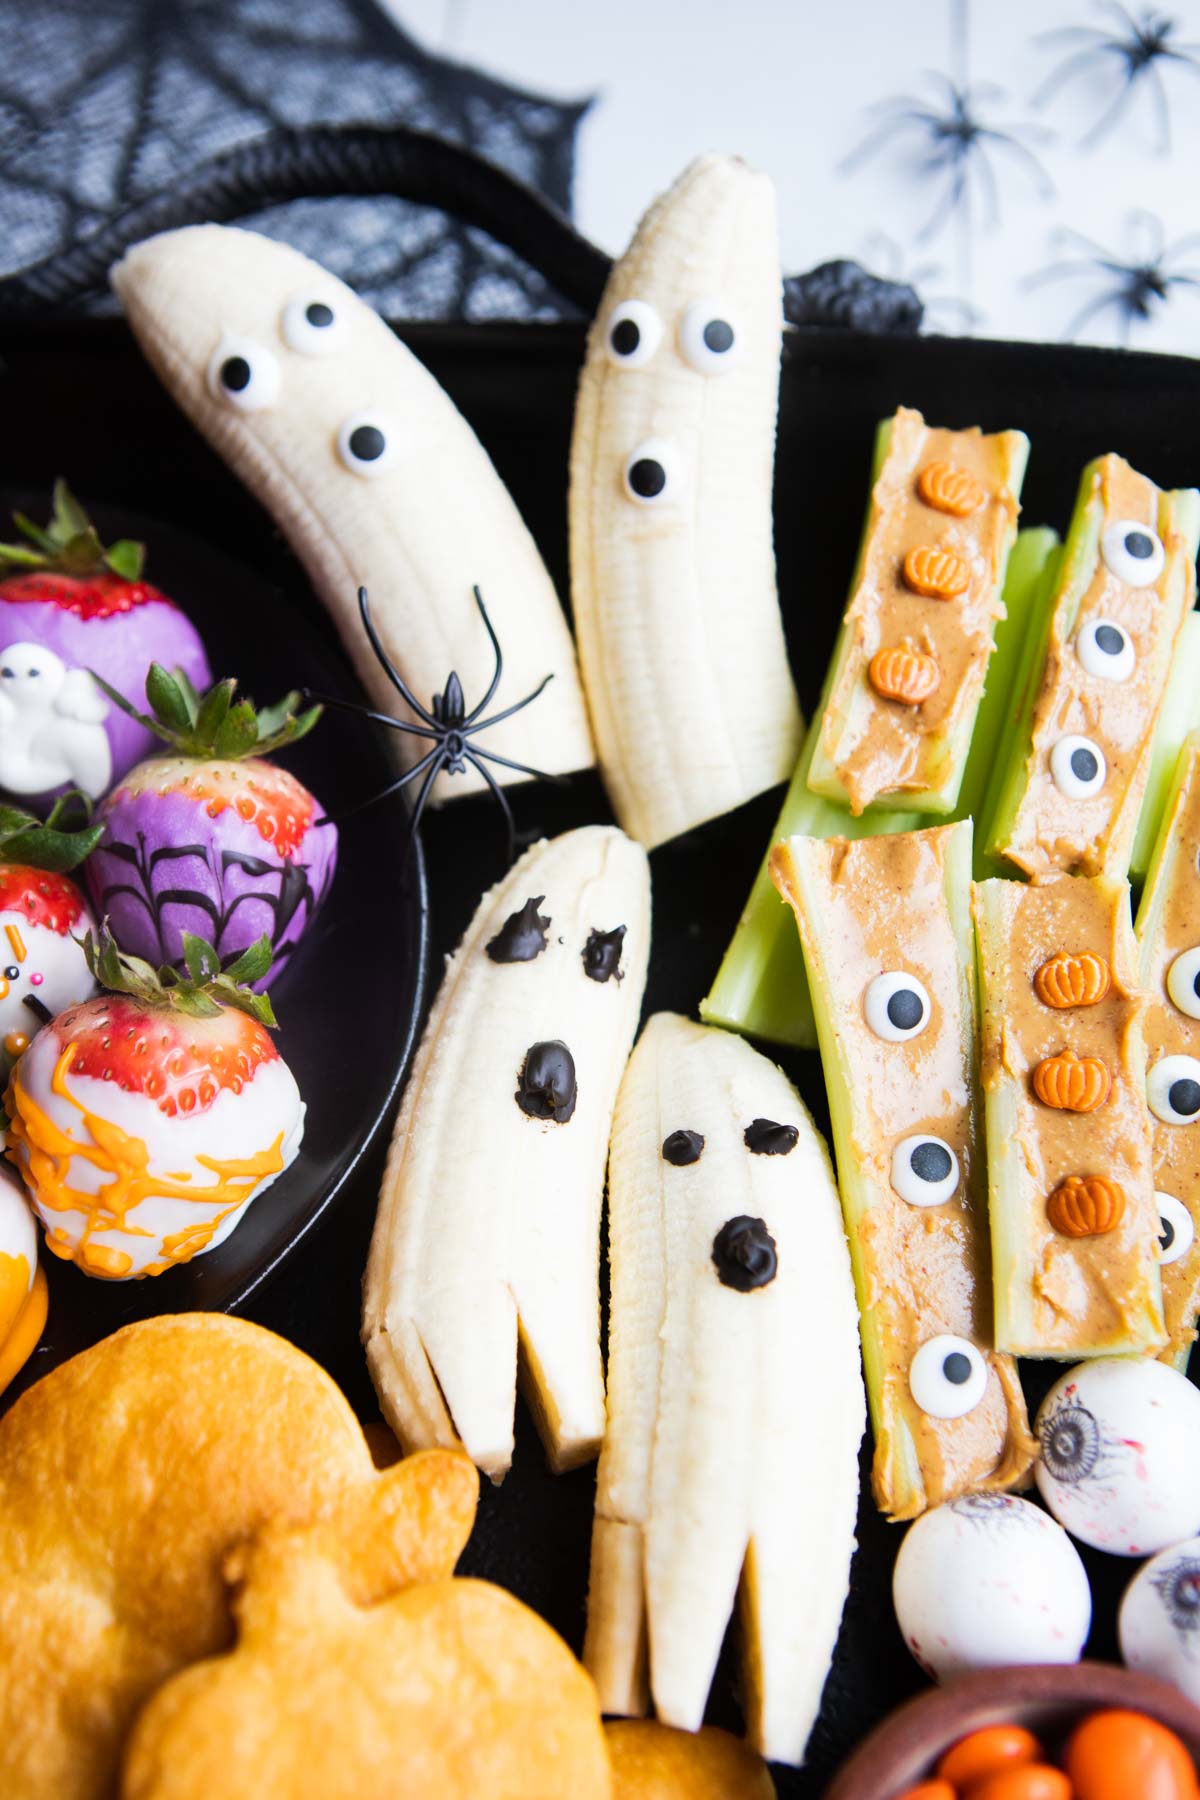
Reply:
x=86, y=406
x=348, y=1015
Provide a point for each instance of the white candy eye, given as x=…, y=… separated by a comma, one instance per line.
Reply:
x=924, y=1170
x=1173, y=1090
x=312, y=325
x=708, y=337
x=1176, y=1228
x=947, y=1377
x=1132, y=552
x=1183, y=982
x=244, y=374
x=1104, y=650
x=896, y=1006
x=364, y=443
x=632, y=334
x=652, y=474
x=1078, y=767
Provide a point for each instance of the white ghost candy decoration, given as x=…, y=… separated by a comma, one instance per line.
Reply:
x=51, y=725
x=1120, y=1455
x=988, y=1580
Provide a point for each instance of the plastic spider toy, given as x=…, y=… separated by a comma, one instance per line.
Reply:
x=1134, y=289
x=1137, y=53
x=957, y=145
x=451, y=729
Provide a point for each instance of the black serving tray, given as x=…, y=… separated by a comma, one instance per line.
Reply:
x=78, y=400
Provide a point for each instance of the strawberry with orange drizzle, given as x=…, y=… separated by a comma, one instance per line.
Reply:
x=70, y=609
x=145, y=1121
x=212, y=838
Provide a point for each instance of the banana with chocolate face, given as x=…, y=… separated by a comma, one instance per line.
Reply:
x=1071, y=779
x=735, y=1403
x=886, y=929
x=487, y=1237
x=1168, y=933
x=1070, y=1164
x=908, y=670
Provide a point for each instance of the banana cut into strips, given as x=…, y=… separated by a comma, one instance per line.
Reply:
x=672, y=558
x=486, y=1247
x=735, y=1399
x=371, y=472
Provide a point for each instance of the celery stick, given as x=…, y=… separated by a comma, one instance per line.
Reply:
x=1180, y=715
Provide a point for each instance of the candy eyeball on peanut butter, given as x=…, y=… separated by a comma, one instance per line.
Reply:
x=988, y=1580
x=1120, y=1455
x=1159, y=1622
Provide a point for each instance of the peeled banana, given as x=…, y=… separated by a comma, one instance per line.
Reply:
x=371, y=472
x=488, y=1229
x=735, y=1398
x=672, y=560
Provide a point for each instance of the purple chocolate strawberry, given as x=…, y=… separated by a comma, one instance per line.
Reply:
x=212, y=839
x=68, y=607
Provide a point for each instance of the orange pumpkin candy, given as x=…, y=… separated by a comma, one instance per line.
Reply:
x=903, y=674
x=1086, y=1206
x=1070, y=979
x=936, y=574
x=949, y=489
x=1072, y=1083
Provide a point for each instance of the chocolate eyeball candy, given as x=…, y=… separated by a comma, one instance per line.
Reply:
x=1159, y=1622
x=987, y=1580
x=1120, y=1455
x=42, y=968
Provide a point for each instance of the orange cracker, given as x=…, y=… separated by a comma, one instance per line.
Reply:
x=655, y=1762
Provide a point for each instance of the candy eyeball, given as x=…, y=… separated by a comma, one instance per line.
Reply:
x=948, y=1377
x=1173, y=1089
x=365, y=444
x=990, y=1580
x=1183, y=982
x=313, y=325
x=1132, y=552
x=708, y=338
x=1120, y=1455
x=1077, y=767
x=632, y=333
x=653, y=476
x=924, y=1170
x=1175, y=1228
x=243, y=374
x=1105, y=649
x=1159, y=1621
x=896, y=1006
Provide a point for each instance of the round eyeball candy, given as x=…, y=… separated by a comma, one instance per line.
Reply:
x=1120, y=1455
x=42, y=968
x=1159, y=1622
x=988, y=1580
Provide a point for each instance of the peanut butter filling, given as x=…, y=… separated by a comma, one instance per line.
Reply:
x=1170, y=1032
x=922, y=1270
x=941, y=519
x=1074, y=1219
x=1091, y=834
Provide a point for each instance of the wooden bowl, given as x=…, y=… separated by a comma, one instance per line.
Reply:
x=1050, y=1700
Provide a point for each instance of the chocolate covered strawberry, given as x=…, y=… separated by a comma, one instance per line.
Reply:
x=212, y=838
x=69, y=608
x=145, y=1121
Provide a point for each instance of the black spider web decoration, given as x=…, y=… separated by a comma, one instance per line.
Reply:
x=104, y=103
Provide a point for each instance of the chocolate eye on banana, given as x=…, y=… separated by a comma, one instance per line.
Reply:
x=487, y=1235
x=886, y=929
x=735, y=1403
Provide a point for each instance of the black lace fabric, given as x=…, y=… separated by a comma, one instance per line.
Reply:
x=103, y=102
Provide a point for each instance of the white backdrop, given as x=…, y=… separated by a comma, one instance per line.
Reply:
x=791, y=84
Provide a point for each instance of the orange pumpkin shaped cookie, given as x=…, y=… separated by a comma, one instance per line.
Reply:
x=655, y=1762
x=128, y=1475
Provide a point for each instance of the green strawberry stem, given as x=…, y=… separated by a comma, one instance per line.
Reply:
x=214, y=725
x=59, y=844
x=204, y=992
x=70, y=544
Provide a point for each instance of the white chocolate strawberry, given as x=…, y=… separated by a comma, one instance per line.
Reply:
x=145, y=1121
x=42, y=968
x=22, y=1283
